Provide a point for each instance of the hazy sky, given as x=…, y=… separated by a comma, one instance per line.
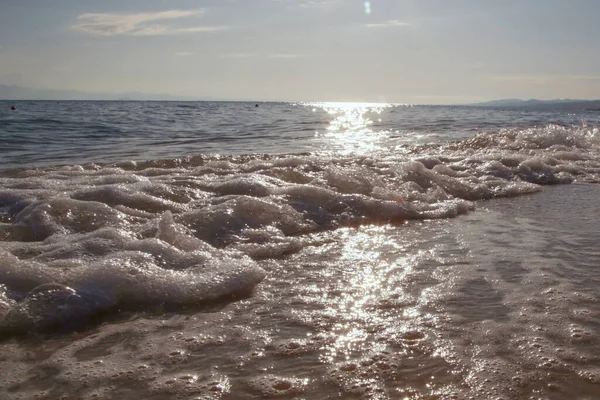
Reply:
x=407, y=51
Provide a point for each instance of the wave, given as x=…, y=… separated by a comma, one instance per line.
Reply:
x=78, y=241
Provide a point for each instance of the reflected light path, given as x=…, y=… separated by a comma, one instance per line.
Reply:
x=351, y=131
x=366, y=283
x=376, y=314
x=372, y=272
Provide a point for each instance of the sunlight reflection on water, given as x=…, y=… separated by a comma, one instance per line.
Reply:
x=358, y=308
x=351, y=131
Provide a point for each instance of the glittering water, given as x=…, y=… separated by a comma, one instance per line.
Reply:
x=407, y=252
x=84, y=132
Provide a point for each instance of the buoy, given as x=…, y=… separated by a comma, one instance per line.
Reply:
x=13, y=108
x=256, y=105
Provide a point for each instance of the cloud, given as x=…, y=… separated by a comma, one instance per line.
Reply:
x=309, y=3
x=141, y=24
x=184, y=54
x=387, y=24
x=286, y=55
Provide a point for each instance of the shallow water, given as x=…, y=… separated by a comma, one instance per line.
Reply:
x=447, y=262
x=500, y=303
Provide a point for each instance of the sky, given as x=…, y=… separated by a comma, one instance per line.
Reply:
x=401, y=51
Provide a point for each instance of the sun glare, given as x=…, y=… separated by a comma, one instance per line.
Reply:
x=351, y=130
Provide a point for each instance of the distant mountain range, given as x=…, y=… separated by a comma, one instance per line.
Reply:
x=12, y=92
x=516, y=103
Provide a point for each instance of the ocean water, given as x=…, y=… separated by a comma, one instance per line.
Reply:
x=218, y=250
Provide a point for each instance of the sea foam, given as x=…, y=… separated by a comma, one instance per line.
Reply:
x=78, y=241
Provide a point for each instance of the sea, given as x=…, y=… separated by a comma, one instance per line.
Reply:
x=299, y=250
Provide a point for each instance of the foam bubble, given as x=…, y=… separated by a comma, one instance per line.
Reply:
x=118, y=195
x=120, y=271
x=62, y=216
x=278, y=386
x=192, y=230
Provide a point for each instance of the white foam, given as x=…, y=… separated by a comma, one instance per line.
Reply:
x=119, y=269
x=119, y=195
x=278, y=386
x=189, y=230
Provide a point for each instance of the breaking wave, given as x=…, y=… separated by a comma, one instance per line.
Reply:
x=80, y=240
